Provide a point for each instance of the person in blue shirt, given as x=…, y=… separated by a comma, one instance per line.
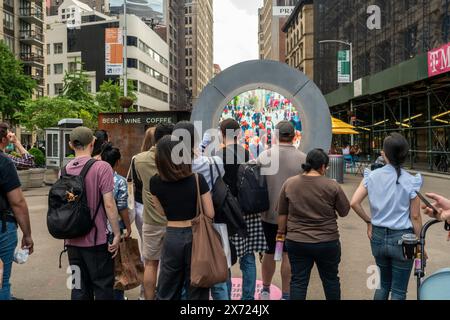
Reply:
x=395, y=210
x=112, y=156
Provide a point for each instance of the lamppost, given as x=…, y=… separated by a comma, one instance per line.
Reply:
x=352, y=137
x=125, y=53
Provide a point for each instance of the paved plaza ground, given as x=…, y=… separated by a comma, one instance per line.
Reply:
x=40, y=277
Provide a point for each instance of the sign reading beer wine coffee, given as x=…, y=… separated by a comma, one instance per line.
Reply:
x=127, y=130
x=439, y=60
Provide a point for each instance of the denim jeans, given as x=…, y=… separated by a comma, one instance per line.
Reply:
x=8, y=243
x=248, y=267
x=395, y=269
x=220, y=292
x=302, y=256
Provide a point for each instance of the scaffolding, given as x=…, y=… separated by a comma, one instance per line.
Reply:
x=419, y=110
x=408, y=28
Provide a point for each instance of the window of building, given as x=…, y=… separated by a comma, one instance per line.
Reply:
x=72, y=67
x=153, y=92
x=132, y=63
x=48, y=48
x=9, y=3
x=132, y=41
x=58, y=88
x=58, y=48
x=9, y=41
x=49, y=69
x=58, y=68
x=8, y=20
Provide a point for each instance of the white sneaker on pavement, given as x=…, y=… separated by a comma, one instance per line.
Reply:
x=264, y=295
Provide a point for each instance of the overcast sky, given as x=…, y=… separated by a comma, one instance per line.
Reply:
x=235, y=31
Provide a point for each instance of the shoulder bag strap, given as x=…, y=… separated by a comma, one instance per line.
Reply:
x=131, y=169
x=64, y=171
x=86, y=168
x=199, y=198
x=211, y=173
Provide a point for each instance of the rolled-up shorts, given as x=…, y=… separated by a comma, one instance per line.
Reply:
x=152, y=243
x=270, y=232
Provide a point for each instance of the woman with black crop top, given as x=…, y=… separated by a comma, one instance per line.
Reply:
x=174, y=193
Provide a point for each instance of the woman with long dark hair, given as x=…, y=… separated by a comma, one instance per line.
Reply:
x=395, y=210
x=101, y=139
x=307, y=218
x=174, y=194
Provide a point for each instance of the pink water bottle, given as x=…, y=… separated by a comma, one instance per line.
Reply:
x=279, y=247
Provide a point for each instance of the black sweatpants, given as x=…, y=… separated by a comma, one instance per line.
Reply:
x=175, y=272
x=96, y=268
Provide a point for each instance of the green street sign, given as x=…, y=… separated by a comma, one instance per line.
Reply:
x=344, y=74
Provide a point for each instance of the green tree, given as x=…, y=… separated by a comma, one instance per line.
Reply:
x=15, y=86
x=108, y=97
x=76, y=85
x=46, y=112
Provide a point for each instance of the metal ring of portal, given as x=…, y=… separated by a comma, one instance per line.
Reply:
x=274, y=76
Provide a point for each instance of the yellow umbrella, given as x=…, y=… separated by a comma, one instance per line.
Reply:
x=341, y=127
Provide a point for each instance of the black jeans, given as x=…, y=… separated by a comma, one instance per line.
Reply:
x=302, y=256
x=96, y=272
x=175, y=272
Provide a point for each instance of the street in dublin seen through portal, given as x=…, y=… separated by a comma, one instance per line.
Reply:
x=224, y=154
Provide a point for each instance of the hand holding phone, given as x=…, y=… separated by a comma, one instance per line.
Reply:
x=428, y=204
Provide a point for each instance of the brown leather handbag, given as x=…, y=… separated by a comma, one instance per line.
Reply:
x=208, y=263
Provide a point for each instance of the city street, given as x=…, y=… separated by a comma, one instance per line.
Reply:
x=40, y=277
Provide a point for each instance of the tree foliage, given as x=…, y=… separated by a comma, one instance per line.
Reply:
x=108, y=97
x=15, y=85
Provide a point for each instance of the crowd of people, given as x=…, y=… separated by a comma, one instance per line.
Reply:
x=258, y=124
x=304, y=208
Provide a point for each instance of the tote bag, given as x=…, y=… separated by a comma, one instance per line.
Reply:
x=129, y=269
x=209, y=264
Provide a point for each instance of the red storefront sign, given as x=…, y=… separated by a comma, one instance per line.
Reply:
x=439, y=60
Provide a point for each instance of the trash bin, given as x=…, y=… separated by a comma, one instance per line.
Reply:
x=336, y=168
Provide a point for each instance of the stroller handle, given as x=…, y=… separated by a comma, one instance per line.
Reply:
x=421, y=273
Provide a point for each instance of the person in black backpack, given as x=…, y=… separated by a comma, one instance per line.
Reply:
x=233, y=155
x=91, y=255
x=13, y=212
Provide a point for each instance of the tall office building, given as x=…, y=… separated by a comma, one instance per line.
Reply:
x=22, y=29
x=272, y=17
x=299, y=30
x=199, y=68
x=173, y=33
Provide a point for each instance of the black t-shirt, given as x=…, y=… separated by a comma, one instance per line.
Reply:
x=233, y=156
x=179, y=198
x=9, y=180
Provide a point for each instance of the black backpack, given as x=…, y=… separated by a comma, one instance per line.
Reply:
x=253, y=195
x=69, y=215
x=226, y=205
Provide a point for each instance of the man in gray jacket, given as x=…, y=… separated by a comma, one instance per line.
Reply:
x=290, y=161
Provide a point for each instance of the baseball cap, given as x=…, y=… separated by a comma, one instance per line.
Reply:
x=285, y=129
x=82, y=136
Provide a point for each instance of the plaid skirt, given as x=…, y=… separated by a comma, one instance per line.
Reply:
x=255, y=242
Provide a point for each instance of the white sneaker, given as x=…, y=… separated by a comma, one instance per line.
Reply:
x=264, y=295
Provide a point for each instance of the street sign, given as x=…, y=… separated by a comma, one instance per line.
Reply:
x=343, y=65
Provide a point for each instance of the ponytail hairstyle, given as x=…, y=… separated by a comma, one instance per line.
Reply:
x=315, y=160
x=101, y=138
x=396, y=150
x=110, y=154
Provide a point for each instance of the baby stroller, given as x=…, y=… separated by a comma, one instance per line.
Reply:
x=437, y=285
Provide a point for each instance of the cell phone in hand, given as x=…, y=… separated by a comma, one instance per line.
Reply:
x=427, y=203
